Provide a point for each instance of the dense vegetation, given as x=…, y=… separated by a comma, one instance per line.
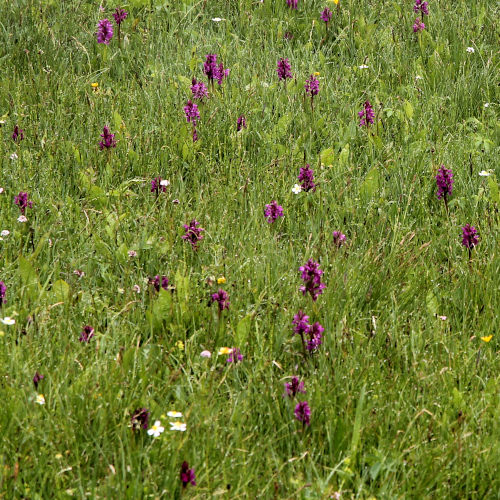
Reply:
x=403, y=382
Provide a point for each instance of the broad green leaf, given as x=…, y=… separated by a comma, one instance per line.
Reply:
x=163, y=305
x=243, y=329
x=327, y=156
x=494, y=194
x=28, y=277
x=432, y=303
x=371, y=184
x=117, y=119
x=60, y=292
x=408, y=110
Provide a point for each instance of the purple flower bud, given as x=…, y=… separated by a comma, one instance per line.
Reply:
x=17, y=134
x=306, y=178
x=104, y=31
x=366, y=115
x=294, y=387
x=301, y=322
x=87, y=334
x=193, y=233
x=273, y=211
x=120, y=15
x=3, y=291
x=312, y=86
x=422, y=7
x=192, y=113
x=157, y=186
x=108, y=139
x=469, y=236
x=292, y=4
x=303, y=413
x=315, y=335
x=288, y=35
x=140, y=419
x=213, y=70
x=164, y=283
x=199, y=90
x=241, y=123
x=222, y=298
x=36, y=379
x=235, y=356
x=311, y=275
x=284, y=69
x=338, y=238
x=187, y=475
x=418, y=26
x=444, y=180
x=326, y=15
x=22, y=200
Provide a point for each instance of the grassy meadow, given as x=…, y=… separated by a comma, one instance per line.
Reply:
x=403, y=390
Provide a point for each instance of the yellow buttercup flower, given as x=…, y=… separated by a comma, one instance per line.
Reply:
x=487, y=339
x=317, y=73
x=225, y=350
x=94, y=85
x=221, y=280
x=336, y=2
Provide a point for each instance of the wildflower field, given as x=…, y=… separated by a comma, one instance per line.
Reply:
x=249, y=249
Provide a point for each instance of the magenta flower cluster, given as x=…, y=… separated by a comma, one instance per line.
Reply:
x=311, y=335
x=108, y=139
x=292, y=4
x=312, y=86
x=3, y=293
x=222, y=299
x=284, y=69
x=306, y=179
x=157, y=187
x=214, y=71
x=18, y=134
x=193, y=233
x=326, y=15
x=105, y=27
x=273, y=211
x=23, y=202
x=311, y=275
x=187, y=475
x=140, y=418
x=87, y=334
x=470, y=237
x=160, y=282
x=199, y=90
x=444, y=180
x=421, y=9
x=366, y=115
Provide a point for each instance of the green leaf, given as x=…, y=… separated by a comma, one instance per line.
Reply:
x=28, y=277
x=432, y=303
x=283, y=123
x=243, y=329
x=371, y=184
x=163, y=305
x=117, y=119
x=327, y=156
x=494, y=194
x=408, y=110
x=59, y=292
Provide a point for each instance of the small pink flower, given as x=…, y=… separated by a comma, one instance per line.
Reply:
x=22, y=218
x=206, y=354
x=136, y=288
x=132, y=253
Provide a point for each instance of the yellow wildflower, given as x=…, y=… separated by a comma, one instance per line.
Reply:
x=487, y=339
x=225, y=350
x=221, y=280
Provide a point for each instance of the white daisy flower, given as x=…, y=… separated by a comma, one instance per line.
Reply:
x=156, y=430
x=177, y=426
x=470, y=50
x=165, y=182
x=297, y=189
x=486, y=104
x=484, y=173
x=8, y=321
x=217, y=19
x=363, y=66
x=174, y=414
x=40, y=399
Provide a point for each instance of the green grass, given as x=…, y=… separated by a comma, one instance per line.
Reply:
x=404, y=404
